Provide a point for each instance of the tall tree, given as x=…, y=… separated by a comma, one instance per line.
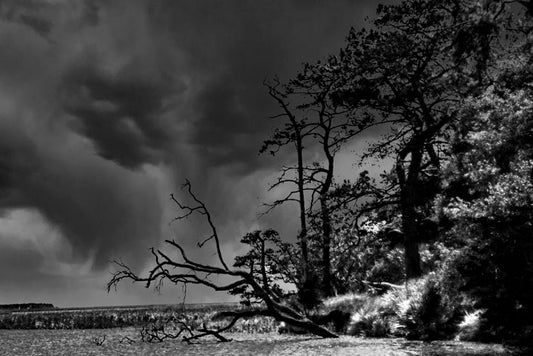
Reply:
x=410, y=73
x=314, y=123
x=294, y=131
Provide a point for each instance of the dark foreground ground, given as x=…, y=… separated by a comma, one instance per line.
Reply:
x=82, y=342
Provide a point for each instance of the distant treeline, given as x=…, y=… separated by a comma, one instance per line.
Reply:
x=26, y=306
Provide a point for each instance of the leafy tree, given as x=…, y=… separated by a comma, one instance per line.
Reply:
x=269, y=260
x=410, y=74
x=489, y=196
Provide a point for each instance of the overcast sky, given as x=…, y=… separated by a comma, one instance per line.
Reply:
x=107, y=106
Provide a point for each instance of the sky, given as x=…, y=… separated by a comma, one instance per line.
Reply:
x=106, y=107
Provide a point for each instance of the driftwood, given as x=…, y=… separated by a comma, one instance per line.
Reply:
x=184, y=270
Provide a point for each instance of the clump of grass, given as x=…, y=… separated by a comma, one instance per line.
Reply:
x=369, y=314
x=345, y=302
x=420, y=310
x=370, y=320
x=469, y=328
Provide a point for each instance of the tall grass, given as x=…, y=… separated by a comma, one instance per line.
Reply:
x=470, y=326
x=369, y=314
x=420, y=310
x=103, y=318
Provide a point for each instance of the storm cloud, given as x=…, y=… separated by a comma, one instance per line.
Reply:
x=107, y=106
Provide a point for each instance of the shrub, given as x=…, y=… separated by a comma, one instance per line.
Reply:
x=469, y=328
x=422, y=310
x=371, y=320
x=346, y=302
x=370, y=316
x=494, y=272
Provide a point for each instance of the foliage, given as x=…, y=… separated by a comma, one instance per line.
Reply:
x=268, y=259
x=425, y=313
x=492, y=212
x=409, y=74
x=374, y=254
x=365, y=255
x=370, y=318
x=416, y=312
x=469, y=328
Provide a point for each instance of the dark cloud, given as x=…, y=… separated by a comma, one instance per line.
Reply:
x=233, y=47
x=27, y=12
x=41, y=16
x=105, y=107
x=17, y=157
x=99, y=208
x=122, y=115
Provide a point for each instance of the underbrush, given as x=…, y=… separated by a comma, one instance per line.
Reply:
x=429, y=308
x=422, y=310
x=369, y=316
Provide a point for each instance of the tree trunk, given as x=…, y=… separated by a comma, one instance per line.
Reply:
x=408, y=191
x=327, y=285
x=411, y=253
x=303, y=216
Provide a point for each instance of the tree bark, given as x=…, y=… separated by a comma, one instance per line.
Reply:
x=303, y=216
x=408, y=190
x=411, y=252
x=327, y=284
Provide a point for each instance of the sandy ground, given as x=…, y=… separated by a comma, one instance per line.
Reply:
x=81, y=342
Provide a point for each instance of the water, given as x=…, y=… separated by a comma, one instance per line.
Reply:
x=84, y=342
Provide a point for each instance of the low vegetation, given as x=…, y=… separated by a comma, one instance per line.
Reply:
x=147, y=317
x=26, y=306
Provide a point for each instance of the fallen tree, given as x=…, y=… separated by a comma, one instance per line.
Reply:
x=254, y=275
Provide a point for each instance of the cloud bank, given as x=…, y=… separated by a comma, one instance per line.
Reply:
x=106, y=107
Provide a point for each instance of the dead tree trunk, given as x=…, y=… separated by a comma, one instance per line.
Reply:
x=186, y=271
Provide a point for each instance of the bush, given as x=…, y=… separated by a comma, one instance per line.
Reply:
x=369, y=316
x=469, y=329
x=492, y=271
x=371, y=320
x=422, y=310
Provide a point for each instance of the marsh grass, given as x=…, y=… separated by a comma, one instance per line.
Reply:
x=121, y=317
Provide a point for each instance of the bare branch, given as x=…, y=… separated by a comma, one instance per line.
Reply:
x=201, y=209
x=183, y=270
